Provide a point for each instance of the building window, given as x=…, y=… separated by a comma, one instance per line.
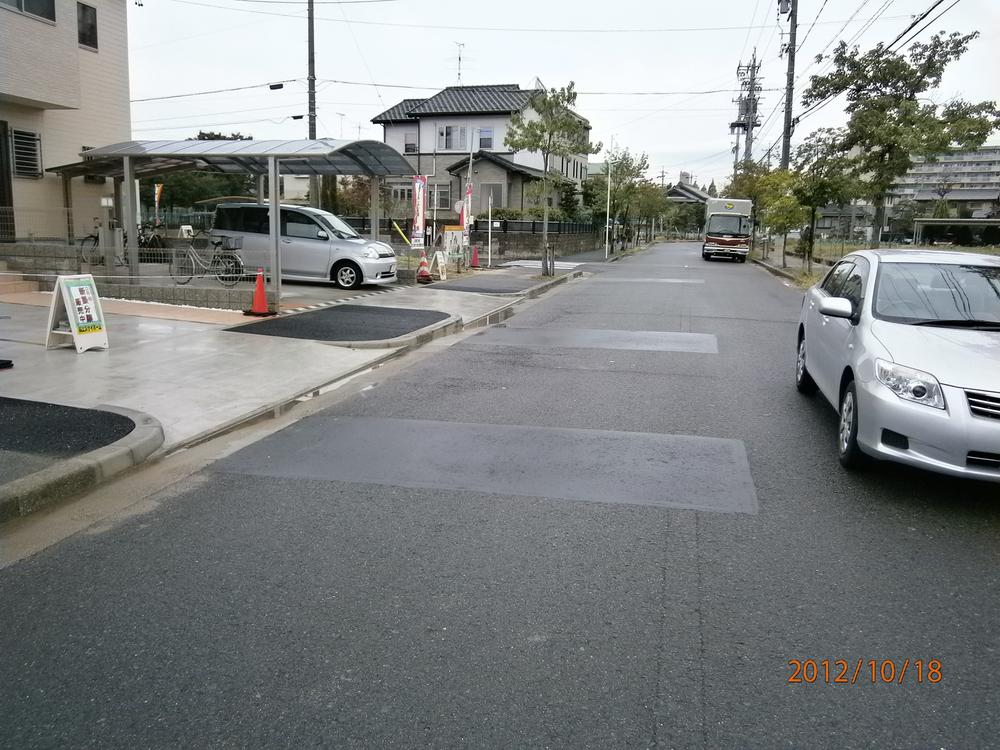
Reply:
x=86, y=25
x=442, y=197
x=401, y=194
x=27, y=150
x=41, y=8
x=410, y=143
x=451, y=138
x=486, y=138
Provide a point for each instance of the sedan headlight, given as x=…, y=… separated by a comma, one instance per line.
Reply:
x=909, y=384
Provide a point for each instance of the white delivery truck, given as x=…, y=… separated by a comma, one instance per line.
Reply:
x=727, y=229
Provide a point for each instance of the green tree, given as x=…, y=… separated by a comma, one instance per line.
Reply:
x=712, y=190
x=780, y=210
x=569, y=200
x=594, y=197
x=627, y=173
x=556, y=132
x=183, y=189
x=888, y=121
x=823, y=178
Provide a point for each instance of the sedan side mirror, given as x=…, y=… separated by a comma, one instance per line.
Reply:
x=321, y=235
x=836, y=307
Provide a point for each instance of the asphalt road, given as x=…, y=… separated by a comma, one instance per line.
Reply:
x=531, y=540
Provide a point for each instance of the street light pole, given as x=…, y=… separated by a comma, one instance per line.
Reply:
x=607, y=210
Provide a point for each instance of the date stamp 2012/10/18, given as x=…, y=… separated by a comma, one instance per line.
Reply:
x=865, y=671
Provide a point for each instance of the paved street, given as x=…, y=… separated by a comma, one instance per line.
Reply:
x=611, y=523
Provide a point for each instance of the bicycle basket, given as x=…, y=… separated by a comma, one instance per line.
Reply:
x=232, y=243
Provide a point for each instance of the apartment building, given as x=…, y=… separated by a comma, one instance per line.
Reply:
x=64, y=87
x=439, y=134
x=968, y=180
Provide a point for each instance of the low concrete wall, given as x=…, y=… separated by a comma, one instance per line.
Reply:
x=41, y=262
x=219, y=297
x=517, y=245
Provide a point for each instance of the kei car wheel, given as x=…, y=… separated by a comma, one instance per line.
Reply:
x=849, y=452
x=347, y=275
x=803, y=380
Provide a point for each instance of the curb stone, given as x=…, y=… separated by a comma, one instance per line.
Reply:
x=774, y=269
x=73, y=476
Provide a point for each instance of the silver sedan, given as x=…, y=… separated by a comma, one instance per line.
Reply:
x=906, y=346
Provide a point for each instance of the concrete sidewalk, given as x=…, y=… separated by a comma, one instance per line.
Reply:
x=179, y=365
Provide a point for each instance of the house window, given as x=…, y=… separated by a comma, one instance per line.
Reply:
x=41, y=8
x=86, y=25
x=410, y=143
x=442, y=197
x=27, y=150
x=451, y=138
x=401, y=194
x=486, y=138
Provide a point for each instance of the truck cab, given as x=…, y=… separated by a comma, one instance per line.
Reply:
x=728, y=229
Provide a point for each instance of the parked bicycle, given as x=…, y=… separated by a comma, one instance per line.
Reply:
x=91, y=251
x=225, y=263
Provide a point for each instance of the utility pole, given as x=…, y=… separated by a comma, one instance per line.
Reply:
x=792, y=8
x=736, y=159
x=663, y=176
x=752, y=88
x=314, y=199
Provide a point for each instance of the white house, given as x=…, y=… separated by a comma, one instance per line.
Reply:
x=439, y=134
x=63, y=88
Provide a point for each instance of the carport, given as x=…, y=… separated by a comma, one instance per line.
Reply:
x=128, y=161
x=920, y=224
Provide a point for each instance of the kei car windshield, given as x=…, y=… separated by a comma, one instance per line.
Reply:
x=337, y=224
x=920, y=292
x=729, y=224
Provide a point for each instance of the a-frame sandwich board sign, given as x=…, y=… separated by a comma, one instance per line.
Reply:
x=75, y=315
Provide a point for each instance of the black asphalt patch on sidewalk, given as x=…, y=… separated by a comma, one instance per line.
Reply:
x=39, y=428
x=346, y=323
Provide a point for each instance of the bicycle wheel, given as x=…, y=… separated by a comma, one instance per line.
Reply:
x=228, y=268
x=89, y=251
x=181, y=267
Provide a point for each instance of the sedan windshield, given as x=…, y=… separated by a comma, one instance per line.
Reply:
x=928, y=293
x=338, y=225
x=728, y=224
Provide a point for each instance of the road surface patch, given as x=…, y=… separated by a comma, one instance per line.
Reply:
x=585, y=338
x=643, y=280
x=632, y=468
x=346, y=323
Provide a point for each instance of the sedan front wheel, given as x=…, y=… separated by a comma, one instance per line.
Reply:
x=850, y=453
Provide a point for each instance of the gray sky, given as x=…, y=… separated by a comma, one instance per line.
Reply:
x=183, y=46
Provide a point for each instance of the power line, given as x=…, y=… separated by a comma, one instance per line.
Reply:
x=216, y=91
x=502, y=29
x=924, y=27
x=813, y=24
x=916, y=21
x=753, y=17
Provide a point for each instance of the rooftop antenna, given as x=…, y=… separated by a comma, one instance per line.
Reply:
x=460, y=45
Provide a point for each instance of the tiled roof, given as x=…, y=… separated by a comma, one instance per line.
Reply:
x=500, y=161
x=398, y=113
x=507, y=97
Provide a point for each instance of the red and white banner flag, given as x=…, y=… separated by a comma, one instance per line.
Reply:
x=419, y=211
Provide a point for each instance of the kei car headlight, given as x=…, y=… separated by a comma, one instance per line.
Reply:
x=370, y=252
x=909, y=384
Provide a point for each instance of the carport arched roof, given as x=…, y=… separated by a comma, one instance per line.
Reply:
x=324, y=156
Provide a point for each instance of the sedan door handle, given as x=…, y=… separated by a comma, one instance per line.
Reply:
x=286, y=242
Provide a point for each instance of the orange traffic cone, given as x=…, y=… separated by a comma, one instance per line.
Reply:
x=259, y=307
x=424, y=271
x=475, y=257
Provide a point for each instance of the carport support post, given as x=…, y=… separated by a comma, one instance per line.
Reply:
x=130, y=220
x=374, y=208
x=274, y=216
x=260, y=189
